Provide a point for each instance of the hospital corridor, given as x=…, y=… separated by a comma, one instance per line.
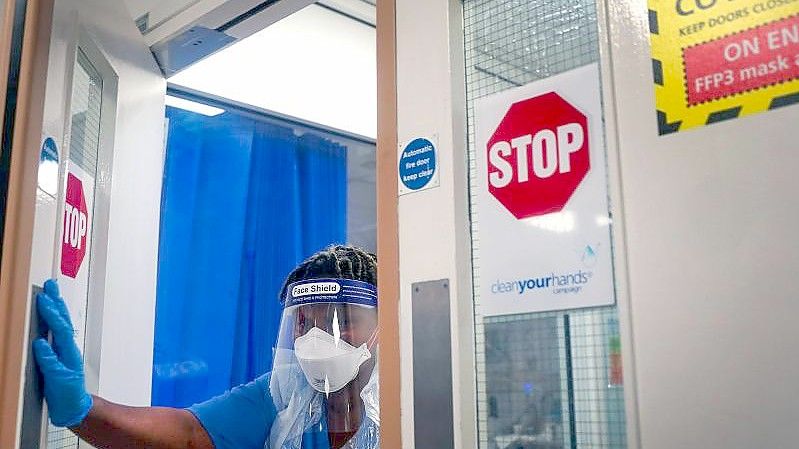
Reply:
x=399, y=224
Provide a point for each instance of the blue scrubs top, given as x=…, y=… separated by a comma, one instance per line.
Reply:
x=242, y=418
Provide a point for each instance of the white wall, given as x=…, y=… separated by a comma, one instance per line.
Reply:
x=433, y=224
x=315, y=65
x=712, y=261
x=124, y=362
x=129, y=312
x=159, y=10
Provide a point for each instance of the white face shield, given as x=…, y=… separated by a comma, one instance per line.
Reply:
x=325, y=360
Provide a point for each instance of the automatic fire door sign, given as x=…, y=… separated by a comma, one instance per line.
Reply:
x=715, y=60
x=417, y=164
x=542, y=198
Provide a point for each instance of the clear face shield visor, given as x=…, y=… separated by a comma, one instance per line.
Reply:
x=330, y=328
x=324, y=371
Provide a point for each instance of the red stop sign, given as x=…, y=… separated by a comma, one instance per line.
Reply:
x=76, y=223
x=538, y=155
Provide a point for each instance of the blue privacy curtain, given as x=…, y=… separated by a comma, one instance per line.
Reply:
x=243, y=202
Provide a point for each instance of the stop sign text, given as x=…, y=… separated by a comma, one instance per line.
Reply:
x=551, y=152
x=75, y=227
x=538, y=155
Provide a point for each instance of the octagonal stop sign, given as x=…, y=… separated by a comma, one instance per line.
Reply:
x=538, y=155
x=76, y=222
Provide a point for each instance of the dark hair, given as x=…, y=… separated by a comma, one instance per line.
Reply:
x=337, y=261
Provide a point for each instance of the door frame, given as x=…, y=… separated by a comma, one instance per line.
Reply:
x=17, y=237
x=388, y=227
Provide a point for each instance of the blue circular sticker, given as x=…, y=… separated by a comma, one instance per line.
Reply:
x=49, y=150
x=417, y=164
x=48, y=167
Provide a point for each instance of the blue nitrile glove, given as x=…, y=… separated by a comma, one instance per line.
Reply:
x=62, y=368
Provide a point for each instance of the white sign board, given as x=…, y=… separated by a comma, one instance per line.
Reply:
x=542, y=200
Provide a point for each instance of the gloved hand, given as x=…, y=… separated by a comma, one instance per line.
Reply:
x=62, y=368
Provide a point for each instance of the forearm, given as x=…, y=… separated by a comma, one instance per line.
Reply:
x=114, y=426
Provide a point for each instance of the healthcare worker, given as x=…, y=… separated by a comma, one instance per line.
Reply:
x=322, y=391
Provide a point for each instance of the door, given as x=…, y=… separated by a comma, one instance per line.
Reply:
x=24, y=43
x=99, y=151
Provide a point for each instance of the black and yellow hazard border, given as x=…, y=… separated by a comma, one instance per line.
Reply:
x=705, y=21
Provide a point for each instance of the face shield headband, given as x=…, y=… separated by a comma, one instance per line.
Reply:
x=330, y=290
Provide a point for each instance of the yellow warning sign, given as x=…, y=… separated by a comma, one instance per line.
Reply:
x=716, y=60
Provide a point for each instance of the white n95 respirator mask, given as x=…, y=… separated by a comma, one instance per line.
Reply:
x=329, y=363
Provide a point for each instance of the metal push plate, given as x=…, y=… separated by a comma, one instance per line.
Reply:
x=432, y=366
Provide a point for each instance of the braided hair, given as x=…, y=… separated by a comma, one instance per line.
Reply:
x=337, y=261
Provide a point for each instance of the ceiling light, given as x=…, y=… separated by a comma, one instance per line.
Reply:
x=193, y=106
